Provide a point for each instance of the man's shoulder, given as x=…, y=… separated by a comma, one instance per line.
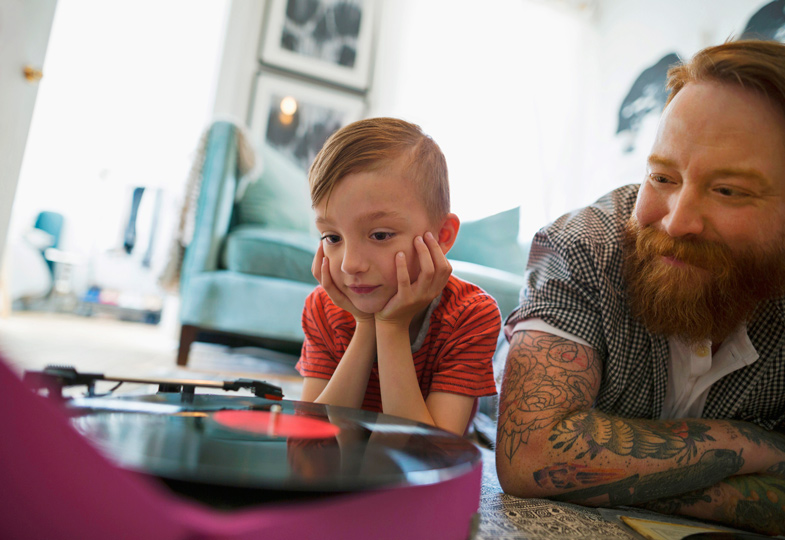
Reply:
x=601, y=221
x=583, y=248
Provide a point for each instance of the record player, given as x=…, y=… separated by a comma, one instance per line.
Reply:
x=240, y=452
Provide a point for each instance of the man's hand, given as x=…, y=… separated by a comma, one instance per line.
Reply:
x=321, y=271
x=412, y=298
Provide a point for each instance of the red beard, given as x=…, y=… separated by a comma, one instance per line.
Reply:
x=709, y=296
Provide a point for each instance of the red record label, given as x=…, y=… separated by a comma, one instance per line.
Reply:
x=276, y=424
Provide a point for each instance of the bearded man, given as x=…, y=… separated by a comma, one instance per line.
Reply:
x=647, y=358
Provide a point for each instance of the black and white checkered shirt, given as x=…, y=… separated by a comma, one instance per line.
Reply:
x=574, y=283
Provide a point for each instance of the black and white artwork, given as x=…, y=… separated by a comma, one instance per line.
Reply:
x=296, y=118
x=768, y=23
x=325, y=30
x=324, y=39
x=647, y=96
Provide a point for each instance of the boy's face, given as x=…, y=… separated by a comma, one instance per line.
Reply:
x=367, y=219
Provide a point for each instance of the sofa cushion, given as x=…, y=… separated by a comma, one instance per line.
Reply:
x=505, y=287
x=492, y=241
x=280, y=198
x=286, y=254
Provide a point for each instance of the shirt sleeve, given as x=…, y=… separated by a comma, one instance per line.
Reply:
x=574, y=277
x=466, y=365
x=323, y=346
x=565, y=286
x=539, y=325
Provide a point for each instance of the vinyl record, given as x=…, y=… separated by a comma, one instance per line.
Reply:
x=238, y=442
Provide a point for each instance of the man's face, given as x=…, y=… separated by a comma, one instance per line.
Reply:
x=717, y=169
x=709, y=223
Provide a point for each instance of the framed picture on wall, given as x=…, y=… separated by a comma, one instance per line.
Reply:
x=324, y=39
x=296, y=117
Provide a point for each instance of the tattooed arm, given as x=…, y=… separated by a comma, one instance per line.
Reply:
x=551, y=443
x=753, y=501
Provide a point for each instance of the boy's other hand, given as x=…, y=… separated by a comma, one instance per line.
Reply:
x=321, y=271
x=412, y=298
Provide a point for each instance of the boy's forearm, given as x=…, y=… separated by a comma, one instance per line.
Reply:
x=349, y=382
x=753, y=502
x=400, y=388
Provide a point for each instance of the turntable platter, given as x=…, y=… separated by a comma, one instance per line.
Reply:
x=236, y=441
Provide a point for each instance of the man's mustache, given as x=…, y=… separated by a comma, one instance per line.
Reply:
x=705, y=254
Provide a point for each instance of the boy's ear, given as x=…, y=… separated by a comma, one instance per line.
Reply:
x=448, y=232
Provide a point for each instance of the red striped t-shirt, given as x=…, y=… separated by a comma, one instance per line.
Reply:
x=455, y=357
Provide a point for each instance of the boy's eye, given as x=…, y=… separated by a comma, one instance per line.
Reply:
x=331, y=238
x=381, y=235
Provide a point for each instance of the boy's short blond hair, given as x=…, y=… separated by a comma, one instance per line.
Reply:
x=372, y=144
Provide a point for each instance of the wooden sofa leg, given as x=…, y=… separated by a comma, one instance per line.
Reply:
x=187, y=337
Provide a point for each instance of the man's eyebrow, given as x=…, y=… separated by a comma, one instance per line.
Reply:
x=750, y=174
x=723, y=172
x=654, y=159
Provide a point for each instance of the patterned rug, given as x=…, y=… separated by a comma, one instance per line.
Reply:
x=504, y=517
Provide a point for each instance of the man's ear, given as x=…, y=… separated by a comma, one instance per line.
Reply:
x=448, y=232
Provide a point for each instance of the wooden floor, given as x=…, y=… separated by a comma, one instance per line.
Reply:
x=32, y=340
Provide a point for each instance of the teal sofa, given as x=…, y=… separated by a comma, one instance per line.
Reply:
x=247, y=270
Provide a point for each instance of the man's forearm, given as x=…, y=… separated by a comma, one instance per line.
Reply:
x=755, y=502
x=551, y=443
x=748, y=501
x=649, y=459
x=599, y=459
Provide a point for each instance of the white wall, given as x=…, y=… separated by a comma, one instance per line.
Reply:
x=498, y=88
x=239, y=59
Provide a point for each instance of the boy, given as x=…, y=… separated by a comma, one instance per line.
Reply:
x=390, y=329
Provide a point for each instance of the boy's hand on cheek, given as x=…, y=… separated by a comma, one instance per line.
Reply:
x=412, y=298
x=321, y=271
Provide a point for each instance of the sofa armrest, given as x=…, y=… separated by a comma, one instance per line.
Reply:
x=215, y=203
x=278, y=253
x=505, y=287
